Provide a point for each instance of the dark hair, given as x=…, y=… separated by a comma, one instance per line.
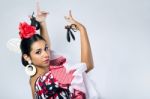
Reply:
x=26, y=44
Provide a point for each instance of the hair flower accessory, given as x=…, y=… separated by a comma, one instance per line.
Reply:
x=26, y=30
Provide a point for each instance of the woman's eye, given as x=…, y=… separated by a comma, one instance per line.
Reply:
x=38, y=52
x=46, y=48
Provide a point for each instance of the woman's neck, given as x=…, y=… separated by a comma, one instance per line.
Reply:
x=41, y=70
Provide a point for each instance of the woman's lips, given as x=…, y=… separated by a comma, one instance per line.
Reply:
x=46, y=61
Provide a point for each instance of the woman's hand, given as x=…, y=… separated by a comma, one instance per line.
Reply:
x=71, y=20
x=41, y=15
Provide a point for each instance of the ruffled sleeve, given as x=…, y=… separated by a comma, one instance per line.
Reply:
x=74, y=75
x=58, y=69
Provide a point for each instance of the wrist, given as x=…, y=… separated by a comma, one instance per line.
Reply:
x=81, y=27
x=42, y=23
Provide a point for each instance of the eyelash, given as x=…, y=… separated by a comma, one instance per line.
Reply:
x=46, y=49
x=38, y=52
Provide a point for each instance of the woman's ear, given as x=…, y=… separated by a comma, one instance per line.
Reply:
x=26, y=57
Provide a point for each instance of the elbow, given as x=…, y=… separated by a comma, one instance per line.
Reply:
x=89, y=64
x=89, y=67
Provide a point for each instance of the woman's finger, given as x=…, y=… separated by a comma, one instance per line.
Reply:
x=44, y=12
x=37, y=7
x=70, y=13
x=67, y=18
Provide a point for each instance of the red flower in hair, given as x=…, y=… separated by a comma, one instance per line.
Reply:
x=26, y=31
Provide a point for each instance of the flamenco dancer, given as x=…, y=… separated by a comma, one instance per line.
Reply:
x=51, y=77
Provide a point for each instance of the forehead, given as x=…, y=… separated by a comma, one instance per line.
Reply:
x=38, y=45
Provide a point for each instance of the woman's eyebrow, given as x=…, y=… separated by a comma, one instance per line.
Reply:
x=37, y=50
x=46, y=45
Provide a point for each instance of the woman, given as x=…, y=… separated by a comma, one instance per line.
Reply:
x=49, y=76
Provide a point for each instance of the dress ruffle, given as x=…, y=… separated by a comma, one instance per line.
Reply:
x=72, y=79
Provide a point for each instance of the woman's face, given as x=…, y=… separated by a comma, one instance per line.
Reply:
x=40, y=53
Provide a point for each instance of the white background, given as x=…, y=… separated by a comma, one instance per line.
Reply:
x=119, y=33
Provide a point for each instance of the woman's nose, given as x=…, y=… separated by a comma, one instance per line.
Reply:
x=45, y=54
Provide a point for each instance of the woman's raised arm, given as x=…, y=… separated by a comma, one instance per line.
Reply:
x=86, y=53
x=41, y=17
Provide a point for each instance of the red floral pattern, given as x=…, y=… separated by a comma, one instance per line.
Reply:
x=56, y=82
x=26, y=30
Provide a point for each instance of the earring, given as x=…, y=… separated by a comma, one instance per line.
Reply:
x=30, y=69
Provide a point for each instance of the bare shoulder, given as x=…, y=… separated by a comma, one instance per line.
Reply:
x=32, y=83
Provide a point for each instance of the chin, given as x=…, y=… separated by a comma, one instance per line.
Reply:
x=45, y=65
